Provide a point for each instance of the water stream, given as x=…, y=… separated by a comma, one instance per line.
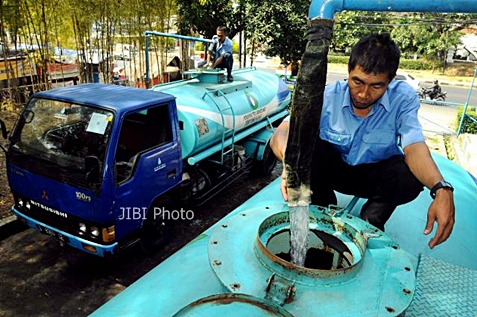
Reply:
x=299, y=226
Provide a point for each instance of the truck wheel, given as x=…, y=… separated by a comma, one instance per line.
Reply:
x=201, y=183
x=157, y=229
x=267, y=164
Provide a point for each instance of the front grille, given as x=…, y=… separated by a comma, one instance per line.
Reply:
x=57, y=218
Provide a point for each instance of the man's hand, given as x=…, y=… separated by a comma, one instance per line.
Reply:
x=442, y=211
x=283, y=185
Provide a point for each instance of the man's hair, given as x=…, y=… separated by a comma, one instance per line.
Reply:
x=223, y=29
x=376, y=53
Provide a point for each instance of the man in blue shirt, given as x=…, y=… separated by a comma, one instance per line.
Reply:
x=371, y=143
x=222, y=48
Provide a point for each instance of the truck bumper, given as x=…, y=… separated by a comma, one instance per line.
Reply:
x=69, y=239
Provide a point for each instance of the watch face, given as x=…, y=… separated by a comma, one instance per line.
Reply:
x=447, y=184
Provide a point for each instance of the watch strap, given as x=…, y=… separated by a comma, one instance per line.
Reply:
x=439, y=185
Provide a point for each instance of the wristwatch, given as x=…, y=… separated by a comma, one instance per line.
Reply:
x=441, y=184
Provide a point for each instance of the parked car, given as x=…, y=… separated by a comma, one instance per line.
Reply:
x=409, y=79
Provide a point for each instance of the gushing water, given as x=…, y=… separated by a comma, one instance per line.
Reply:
x=299, y=226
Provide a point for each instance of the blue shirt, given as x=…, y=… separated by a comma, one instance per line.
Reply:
x=391, y=124
x=224, y=48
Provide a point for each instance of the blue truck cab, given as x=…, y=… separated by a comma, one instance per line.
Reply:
x=85, y=162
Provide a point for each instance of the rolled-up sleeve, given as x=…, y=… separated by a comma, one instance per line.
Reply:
x=408, y=126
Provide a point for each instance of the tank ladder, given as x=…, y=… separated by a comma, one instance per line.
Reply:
x=223, y=151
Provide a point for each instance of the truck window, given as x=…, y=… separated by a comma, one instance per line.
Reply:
x=59, y=137
x=141, y=131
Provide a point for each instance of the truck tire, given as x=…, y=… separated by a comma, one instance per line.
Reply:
x=201, y=183
x=156, y=231
x=267, y=164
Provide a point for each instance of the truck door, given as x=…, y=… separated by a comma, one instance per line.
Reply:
x=147, y=160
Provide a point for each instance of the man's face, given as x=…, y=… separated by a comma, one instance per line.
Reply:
x=365, y=88
x=221, y=35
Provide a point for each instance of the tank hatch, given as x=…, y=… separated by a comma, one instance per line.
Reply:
x=351, y=269
x=217, y=81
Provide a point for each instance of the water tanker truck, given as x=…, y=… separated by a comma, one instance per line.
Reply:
x=241, y=265
x=98, y=166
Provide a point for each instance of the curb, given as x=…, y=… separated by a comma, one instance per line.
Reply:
x=10, y=226
x=449, y=83
x=465, y=146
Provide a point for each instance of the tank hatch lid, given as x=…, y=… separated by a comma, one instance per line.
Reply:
x=232, y=304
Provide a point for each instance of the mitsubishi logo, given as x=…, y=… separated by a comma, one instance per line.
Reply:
x=44, y=195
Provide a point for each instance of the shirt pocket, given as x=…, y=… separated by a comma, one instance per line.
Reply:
x=380, y=137
x=341, y=141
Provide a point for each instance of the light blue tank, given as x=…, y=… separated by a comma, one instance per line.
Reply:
x=210, y=109
x=233, y=268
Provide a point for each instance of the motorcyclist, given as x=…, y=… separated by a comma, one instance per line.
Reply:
x=434, y=90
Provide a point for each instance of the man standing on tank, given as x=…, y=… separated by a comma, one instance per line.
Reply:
x=371, y=144
x=222, y=50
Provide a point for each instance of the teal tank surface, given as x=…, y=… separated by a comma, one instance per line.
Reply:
x=238, y=267
x=210, y=109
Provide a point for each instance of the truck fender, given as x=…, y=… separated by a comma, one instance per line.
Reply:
x=257, y=146
x=156, y=229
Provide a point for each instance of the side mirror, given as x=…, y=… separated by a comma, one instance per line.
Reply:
x=92, y=167
x=28, y=116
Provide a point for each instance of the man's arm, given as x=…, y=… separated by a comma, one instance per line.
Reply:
x=217, y=62
x=442, y=209
x=226, y=48
x=278, y=143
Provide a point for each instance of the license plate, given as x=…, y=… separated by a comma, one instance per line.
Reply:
x=53, y=233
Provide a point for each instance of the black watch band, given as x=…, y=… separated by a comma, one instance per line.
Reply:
x=441, y=184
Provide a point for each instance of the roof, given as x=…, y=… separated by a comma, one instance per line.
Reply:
x=114, y=97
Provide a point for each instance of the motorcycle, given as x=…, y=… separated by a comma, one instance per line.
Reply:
x=427, y=93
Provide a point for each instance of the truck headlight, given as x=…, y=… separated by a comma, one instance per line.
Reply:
x=82, y=228
x=95, y=231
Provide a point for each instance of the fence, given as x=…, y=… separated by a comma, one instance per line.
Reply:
x=14, y=98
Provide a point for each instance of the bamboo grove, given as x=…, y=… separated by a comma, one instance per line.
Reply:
x=33, y=32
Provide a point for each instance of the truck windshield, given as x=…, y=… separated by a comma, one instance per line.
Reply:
x=55, y=138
